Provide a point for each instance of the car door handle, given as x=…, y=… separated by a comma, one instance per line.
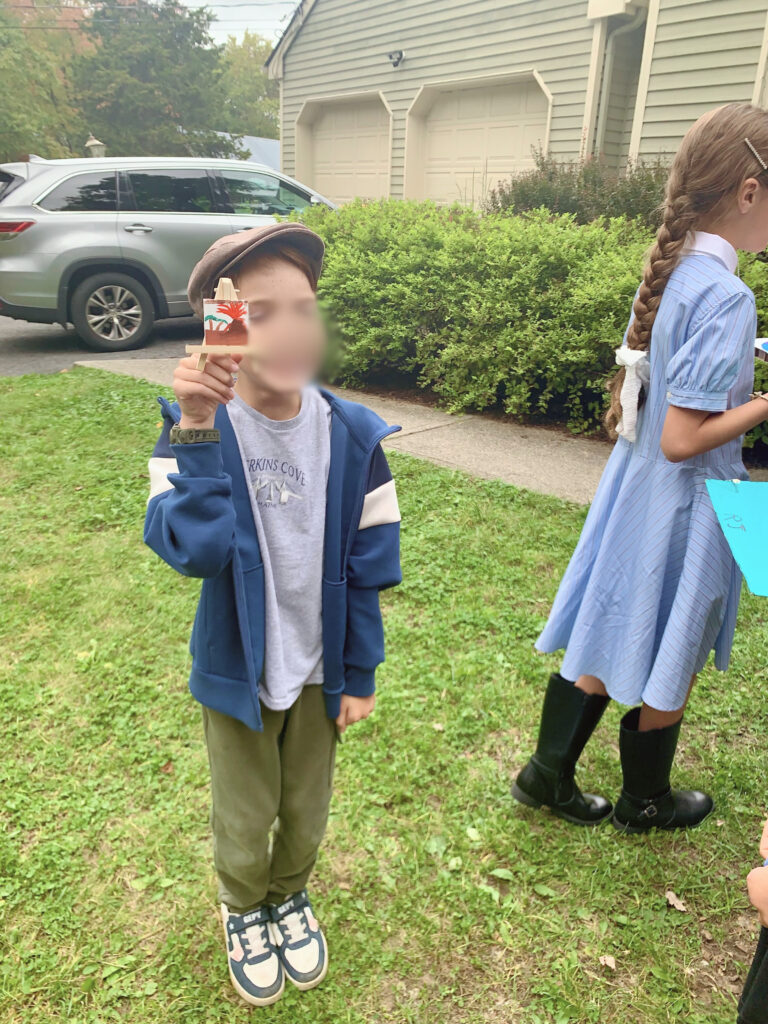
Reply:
x=138, y=229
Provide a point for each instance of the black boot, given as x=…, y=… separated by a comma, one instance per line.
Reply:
x=646, y=800
x=568, y=719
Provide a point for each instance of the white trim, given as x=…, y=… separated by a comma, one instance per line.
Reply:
x=649, y=43
x=281, y=122
x=380, y=507
x=594, y=79
x=424, y=100
x=759, y=90
x=609, y=8
x=158, y=476
x=313, y=105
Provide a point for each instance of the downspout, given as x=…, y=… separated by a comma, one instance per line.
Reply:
x=610, y=52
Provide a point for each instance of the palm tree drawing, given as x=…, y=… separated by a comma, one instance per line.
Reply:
x=226, y=318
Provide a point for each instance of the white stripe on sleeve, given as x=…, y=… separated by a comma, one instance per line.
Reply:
x=158, y=476
x=380, y=506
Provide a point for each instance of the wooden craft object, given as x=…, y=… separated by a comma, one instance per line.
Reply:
x=225, y=324
x=761, y=349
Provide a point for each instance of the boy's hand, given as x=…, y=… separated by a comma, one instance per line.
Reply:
x=764, y=843
x=200, y=392
x=354, y=709
x=757, y=886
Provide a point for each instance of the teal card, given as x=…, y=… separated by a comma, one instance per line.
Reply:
x=742, y=511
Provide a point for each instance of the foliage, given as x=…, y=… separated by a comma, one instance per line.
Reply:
x=587, y=189
x=441, y=898
x=143, y=76
x=153, y=83
x=517, y=313
x=252, y=99
x=36, y=111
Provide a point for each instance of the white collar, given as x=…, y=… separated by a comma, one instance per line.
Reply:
x=704, y=243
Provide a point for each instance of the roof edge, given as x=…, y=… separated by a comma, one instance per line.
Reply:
x=274, y=62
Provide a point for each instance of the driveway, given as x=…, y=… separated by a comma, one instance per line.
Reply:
x=48, y=348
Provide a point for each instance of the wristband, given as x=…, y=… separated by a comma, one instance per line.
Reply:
x=759, y=394
x=193, y=435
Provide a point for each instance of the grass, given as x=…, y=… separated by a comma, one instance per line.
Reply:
x=443, y=901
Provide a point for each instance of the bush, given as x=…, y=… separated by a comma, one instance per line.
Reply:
x=754, y=272
x=516, y=313
x=588, y=190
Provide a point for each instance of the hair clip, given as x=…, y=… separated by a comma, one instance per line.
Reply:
x=757, y=155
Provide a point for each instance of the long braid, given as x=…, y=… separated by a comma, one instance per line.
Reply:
x=679, y=218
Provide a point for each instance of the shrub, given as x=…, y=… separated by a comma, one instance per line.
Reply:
x=517, y=313
x=588, y=190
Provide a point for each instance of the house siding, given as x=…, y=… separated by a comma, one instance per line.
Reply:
x=343, y=48
x=622, y=93
x=706, y=53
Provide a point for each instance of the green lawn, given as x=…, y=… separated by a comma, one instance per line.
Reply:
x=443, y=901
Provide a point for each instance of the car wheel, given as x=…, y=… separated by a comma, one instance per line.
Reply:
x=112, y=312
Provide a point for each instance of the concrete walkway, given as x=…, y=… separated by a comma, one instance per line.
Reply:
x=547, y=461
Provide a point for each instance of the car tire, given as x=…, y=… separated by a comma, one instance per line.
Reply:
x=112, y=312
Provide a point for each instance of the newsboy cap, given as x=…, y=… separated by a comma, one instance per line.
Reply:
x=225, y=254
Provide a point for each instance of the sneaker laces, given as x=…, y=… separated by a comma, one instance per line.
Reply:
x=296, y=926
x=255, y=940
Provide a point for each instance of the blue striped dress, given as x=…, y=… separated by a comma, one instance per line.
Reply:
x=652, y=587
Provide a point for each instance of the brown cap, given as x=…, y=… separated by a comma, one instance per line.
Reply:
x=225, y=253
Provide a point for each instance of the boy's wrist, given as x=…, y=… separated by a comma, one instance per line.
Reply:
x=187, y=423
x=193, y=435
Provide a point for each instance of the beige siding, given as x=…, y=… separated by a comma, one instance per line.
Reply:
x=622, y=92
x=343, y=48
x=706, y=53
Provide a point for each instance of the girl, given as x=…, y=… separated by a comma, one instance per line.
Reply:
x=652, y=587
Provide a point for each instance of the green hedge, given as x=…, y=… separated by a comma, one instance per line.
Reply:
x=516, y=313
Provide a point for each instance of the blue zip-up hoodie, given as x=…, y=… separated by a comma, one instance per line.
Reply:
x=200, y=521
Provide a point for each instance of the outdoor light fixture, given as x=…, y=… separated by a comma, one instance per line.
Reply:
x=95, y=148
x=395, y=58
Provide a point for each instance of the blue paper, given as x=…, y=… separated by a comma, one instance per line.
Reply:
x=742, y=511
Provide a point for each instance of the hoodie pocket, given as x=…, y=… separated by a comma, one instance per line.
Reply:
x=334, y=633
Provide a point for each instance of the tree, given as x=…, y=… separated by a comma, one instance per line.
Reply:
x=252, y=98
x=36, y=112
x=153, y=83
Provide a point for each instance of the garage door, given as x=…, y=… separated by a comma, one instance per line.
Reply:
x=474, y=137
x=350, y=150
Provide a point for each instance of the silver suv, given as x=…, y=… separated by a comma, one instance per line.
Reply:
x=108, y=245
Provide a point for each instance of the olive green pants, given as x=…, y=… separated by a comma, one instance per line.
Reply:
x=271, y=792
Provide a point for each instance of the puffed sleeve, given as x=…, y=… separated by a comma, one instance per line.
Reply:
x=705, y=367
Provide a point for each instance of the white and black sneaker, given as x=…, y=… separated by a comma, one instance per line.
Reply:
x=300, y=942
x=254, y=965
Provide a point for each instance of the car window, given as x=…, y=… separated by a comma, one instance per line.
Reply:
x=83, y=193
x=8, y=182
x=169, y=191
x=256, y=192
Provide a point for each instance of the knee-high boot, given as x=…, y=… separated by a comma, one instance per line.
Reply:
x=568, y=718
x=647, y=800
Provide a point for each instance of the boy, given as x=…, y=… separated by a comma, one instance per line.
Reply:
x=278, y=495
x=753, y=1005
